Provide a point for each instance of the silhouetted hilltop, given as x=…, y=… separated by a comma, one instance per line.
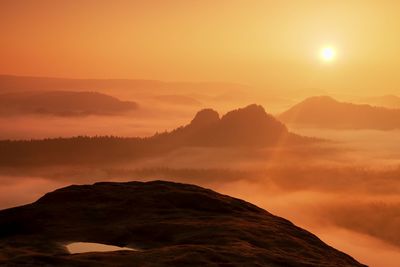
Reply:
x=171, y=224
x=253, y=125
x=62, y=103
x=388, y=101
x=249, y=126
x=326, y=112
x=205, y=117
x=246, y=127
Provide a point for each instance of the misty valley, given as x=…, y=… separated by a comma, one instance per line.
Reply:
x=199, y=133
x=337, y=181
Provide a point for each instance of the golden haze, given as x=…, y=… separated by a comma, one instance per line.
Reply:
x=130, y=72
x=258, y=42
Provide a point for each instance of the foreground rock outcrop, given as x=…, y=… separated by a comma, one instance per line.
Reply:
x=171, y=224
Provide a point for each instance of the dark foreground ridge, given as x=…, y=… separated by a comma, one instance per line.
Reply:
x=171, y=224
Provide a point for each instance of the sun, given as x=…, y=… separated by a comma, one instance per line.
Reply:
x=328, y=53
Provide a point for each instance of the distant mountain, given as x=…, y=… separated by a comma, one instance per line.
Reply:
x=246, y=127
x=389, y=101
x=62, y=103
x=171, y=224
x=326, y=112
x=118, y=87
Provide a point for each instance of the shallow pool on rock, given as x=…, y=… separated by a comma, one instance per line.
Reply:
x=83, y=247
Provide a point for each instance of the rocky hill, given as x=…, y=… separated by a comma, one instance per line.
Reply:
x=169, y=224
x=326, y=112
x=248, y=126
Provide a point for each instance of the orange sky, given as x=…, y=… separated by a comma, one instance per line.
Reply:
x=273, y=43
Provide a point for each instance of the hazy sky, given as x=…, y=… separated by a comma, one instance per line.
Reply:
x=274, y=43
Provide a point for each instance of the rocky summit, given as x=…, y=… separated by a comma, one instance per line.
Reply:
x=168, y=224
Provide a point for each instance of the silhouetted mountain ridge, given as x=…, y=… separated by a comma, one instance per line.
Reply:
x=12, y=83
x=248, y=126
x=63, y=103
x=171, y=224
x=205, y=117
x=245, y=127
x=326, y=112
x=389, y=101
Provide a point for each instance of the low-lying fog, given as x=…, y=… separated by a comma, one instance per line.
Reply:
x=345, y=191
x=138, y=123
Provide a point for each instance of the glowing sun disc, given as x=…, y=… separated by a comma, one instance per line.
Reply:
x=328, y=54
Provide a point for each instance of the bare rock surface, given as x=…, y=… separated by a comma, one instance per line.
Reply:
x=168, y=224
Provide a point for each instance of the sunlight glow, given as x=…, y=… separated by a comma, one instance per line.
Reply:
x=328, y=53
